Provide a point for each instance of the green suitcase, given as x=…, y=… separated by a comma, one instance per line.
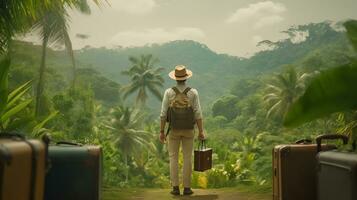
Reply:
x=74, y=172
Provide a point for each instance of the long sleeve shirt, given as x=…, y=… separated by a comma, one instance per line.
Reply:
x=193, y=98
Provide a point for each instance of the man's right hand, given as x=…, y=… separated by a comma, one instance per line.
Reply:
x=162, y=138
x=201, y=136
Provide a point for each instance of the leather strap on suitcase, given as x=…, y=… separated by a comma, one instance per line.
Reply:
x=5, y=159
x=46, y=138
x=33, y=169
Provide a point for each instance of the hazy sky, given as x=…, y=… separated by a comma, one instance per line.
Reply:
x=225, y=26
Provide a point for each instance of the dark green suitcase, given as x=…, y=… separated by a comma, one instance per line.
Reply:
x=337, y=174
x=74, y=172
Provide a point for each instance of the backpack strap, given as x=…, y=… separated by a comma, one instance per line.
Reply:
x=186, y=90
x=177, y=91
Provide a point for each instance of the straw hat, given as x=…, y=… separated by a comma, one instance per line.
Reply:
x=180, y=73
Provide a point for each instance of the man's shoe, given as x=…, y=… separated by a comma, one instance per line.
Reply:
x=175, y=191
x=187, y=191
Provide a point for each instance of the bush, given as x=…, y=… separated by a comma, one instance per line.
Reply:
x=217, y=177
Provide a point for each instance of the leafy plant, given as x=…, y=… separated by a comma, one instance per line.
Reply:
x=53, y=27
x=124, y=123
x=144, y=76
x=39, y=129
x=10, y=103
x=286, y=88
x=332, y=91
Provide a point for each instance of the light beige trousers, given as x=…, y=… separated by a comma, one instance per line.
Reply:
x=184, y=137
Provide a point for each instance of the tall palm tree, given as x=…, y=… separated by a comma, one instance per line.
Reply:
x=20, y=15
x=15, y=17
x=53, y=28
x=124, y=124
x=144, y=76
x=284, y=90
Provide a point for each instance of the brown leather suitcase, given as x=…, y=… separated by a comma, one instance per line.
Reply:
x=294, y=170
x=22, y=168
x=202, y=157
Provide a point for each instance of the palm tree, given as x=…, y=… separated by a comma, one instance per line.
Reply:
x=284, y=91
x=144, y=76
x=124, y=123
x=53, y=28
x=331, y=91
x=20, y=15
x=14, y=18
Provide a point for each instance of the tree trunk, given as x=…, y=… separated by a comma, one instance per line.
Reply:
x=40, y=87
x=141, y=98
x=73, y=72
x=69, y=49
x=127, y=168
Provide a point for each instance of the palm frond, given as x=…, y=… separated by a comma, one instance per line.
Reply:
x=82, y=6
x=273, y=87
x=155, y=91
x=274, y=108
x=128, y=90
x=282, y=80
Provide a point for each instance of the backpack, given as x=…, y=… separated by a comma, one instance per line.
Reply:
x=180, y=112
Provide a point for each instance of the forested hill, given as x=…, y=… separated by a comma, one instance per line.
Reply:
x=207, y=66
x=215, y=73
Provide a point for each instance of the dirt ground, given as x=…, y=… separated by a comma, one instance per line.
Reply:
x=199, y=194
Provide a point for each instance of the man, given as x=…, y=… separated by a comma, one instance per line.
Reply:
x=181, y=107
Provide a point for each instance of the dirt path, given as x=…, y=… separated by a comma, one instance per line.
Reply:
x=163, y=194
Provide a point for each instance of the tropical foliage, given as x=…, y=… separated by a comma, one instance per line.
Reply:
x=124, y=123
x=53, y=28
x=17, y=17
x=13, y=102
x=144, y=76
x=238, y=94
x=284, y=91
x=15, y=111
x=332, y=91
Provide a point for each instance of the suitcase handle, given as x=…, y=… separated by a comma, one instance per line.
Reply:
x=68, y=143
x=330, y=137
x=303, y=141
x=47, y=140
x=202, y=145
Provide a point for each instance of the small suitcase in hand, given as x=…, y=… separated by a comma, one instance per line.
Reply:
x=202, y=157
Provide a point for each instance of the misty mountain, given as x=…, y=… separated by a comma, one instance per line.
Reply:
x=215, y=73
